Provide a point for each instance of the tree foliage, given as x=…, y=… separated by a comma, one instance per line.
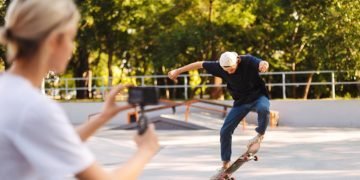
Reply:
x=121, y=38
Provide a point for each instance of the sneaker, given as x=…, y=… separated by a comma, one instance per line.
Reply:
x=257, y=139
x=218, y=174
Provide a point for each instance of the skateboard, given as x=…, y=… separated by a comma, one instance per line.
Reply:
x=247, y=156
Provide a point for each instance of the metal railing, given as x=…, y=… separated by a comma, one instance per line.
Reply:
x=51, y=85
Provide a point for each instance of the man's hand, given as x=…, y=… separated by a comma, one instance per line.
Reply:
x=263, y=66
x=173, y=74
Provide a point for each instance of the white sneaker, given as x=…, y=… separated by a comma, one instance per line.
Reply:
x=257, y=139
x=218, y=174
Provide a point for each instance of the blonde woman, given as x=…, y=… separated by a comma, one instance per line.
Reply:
x=36, y=139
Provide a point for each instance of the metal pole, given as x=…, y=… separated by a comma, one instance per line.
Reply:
x=43, y=86
x=333, y=85
x=66, y=87
x=283, y=85
x=103, y=88
x=142, y=81
x=185, y=87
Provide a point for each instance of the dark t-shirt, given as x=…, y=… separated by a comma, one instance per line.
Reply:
x=245, y=85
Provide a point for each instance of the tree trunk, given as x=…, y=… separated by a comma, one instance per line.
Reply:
x=161, y=81
x=293, y=79
x=81, y=70
x=166, y=82
x=294, y=57
x=109, y=64
x=307, y=88
x=216, y=92
x=3, y=58
x=7, y=65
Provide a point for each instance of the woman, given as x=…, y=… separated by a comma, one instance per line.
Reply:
x=37, y=140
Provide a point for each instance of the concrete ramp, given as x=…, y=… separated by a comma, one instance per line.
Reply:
x=165, y=123
x=204, y=119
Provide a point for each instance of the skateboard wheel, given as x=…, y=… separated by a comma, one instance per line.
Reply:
x=226, y=177
x=256, y=158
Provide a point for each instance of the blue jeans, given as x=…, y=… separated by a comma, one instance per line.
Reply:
x=236, y=114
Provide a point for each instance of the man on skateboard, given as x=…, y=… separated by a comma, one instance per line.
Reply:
x=241, y=73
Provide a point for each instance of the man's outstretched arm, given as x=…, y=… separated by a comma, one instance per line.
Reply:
x=173, y=74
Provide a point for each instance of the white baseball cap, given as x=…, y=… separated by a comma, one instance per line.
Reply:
x=228, y=59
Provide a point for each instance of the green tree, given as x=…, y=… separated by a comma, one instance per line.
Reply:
x=122, y=38
x=3, y=6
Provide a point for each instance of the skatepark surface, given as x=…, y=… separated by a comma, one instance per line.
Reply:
x=286, y=153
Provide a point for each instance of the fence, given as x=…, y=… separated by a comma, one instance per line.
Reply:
x=284, y=80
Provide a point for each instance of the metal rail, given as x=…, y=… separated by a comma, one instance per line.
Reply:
x=185, y=82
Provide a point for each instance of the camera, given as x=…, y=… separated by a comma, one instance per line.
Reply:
x=143, y=96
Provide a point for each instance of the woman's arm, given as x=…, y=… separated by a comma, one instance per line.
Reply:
x=147, y=148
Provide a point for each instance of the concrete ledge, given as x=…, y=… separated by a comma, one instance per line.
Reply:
x=316, y=113
x=293, y=113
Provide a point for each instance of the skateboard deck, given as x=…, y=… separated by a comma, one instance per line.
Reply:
x=245, y=157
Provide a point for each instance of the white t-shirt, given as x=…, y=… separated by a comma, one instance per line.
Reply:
x=37, y=140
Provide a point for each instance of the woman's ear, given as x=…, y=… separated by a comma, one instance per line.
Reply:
x=53, y=39
x=50, y=44
x=60, y=37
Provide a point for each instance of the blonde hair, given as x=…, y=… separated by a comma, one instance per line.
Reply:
x=29, y=22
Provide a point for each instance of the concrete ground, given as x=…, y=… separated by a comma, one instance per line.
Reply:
x=286, y=153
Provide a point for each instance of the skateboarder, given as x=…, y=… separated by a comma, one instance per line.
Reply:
x=241, y=73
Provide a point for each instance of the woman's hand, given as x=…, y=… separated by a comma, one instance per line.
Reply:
x=110, y=107
x=148, y=142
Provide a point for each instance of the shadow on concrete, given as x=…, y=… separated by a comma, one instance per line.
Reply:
x=162, y=123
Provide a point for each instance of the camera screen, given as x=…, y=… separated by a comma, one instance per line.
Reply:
x=135, y=96
x=143, y=95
